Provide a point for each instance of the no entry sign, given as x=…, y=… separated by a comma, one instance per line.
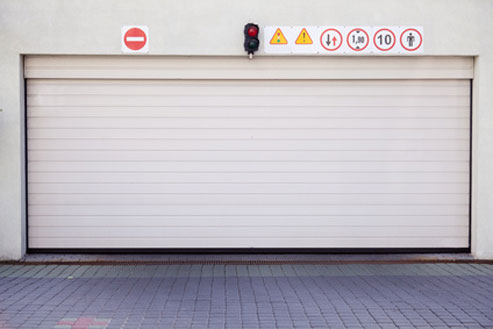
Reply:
x=135, y=39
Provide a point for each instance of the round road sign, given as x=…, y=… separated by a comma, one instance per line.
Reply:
x=411, y=39
x=384, y=39
x=331, y=39
x=135, y=38
x=358, y=39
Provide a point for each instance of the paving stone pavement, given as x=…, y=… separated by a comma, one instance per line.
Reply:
x=247, y=296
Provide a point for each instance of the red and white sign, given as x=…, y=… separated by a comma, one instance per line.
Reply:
x=411, y=39
x=384, y=39
x=358, y=39
x=135, y=39
x=331, y=39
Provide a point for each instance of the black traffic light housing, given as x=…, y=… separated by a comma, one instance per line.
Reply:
x=252, y=42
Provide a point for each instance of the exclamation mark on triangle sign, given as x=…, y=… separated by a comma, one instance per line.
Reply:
x=278, y=38
x=304, y=38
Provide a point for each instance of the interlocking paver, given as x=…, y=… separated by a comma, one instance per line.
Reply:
x=247, y=296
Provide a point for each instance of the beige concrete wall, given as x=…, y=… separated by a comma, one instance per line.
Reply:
x=200, y=27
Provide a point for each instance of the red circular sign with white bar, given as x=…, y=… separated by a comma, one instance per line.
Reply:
x=135, y=39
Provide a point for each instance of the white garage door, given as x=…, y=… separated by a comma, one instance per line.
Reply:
x=228, y=153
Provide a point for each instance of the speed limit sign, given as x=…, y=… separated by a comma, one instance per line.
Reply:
x=384, y=40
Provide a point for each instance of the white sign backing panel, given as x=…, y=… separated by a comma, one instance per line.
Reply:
x=343, y=40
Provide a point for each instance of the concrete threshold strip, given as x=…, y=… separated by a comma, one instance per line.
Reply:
x=240, y=262
x=162, y=259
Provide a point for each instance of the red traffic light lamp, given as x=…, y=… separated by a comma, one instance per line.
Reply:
x=252, y=30
x=252, y=42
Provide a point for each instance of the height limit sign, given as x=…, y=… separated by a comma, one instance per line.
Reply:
x=358, y=39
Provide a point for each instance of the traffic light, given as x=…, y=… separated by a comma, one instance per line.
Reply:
x=251, y=38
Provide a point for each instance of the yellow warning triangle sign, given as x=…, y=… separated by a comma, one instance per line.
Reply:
x=278, y=38
x=304, y=38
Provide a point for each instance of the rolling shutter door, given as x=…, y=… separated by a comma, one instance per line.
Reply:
x=121, y=155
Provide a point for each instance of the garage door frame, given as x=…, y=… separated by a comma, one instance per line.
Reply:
x=33, y=74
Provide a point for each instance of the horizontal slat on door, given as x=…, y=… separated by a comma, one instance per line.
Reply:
x=256, y=155
x=253, y=133
x=397, y=222
x=248, y=123
x=175, y=67
x=244, y=100
x=281, y=145
x=258, y=210
x=247, y=242
x=334, y=112
x=280, y=231
x=48, y=87
x=246, y=167
x=196, y=163
x=403, y=188
x=248, y=199
x=251, y=178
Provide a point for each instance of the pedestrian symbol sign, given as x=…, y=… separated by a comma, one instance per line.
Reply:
x=278, y=38
x=411, y=39
x=304, y=38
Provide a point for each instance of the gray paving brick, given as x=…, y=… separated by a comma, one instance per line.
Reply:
x=228, y=296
